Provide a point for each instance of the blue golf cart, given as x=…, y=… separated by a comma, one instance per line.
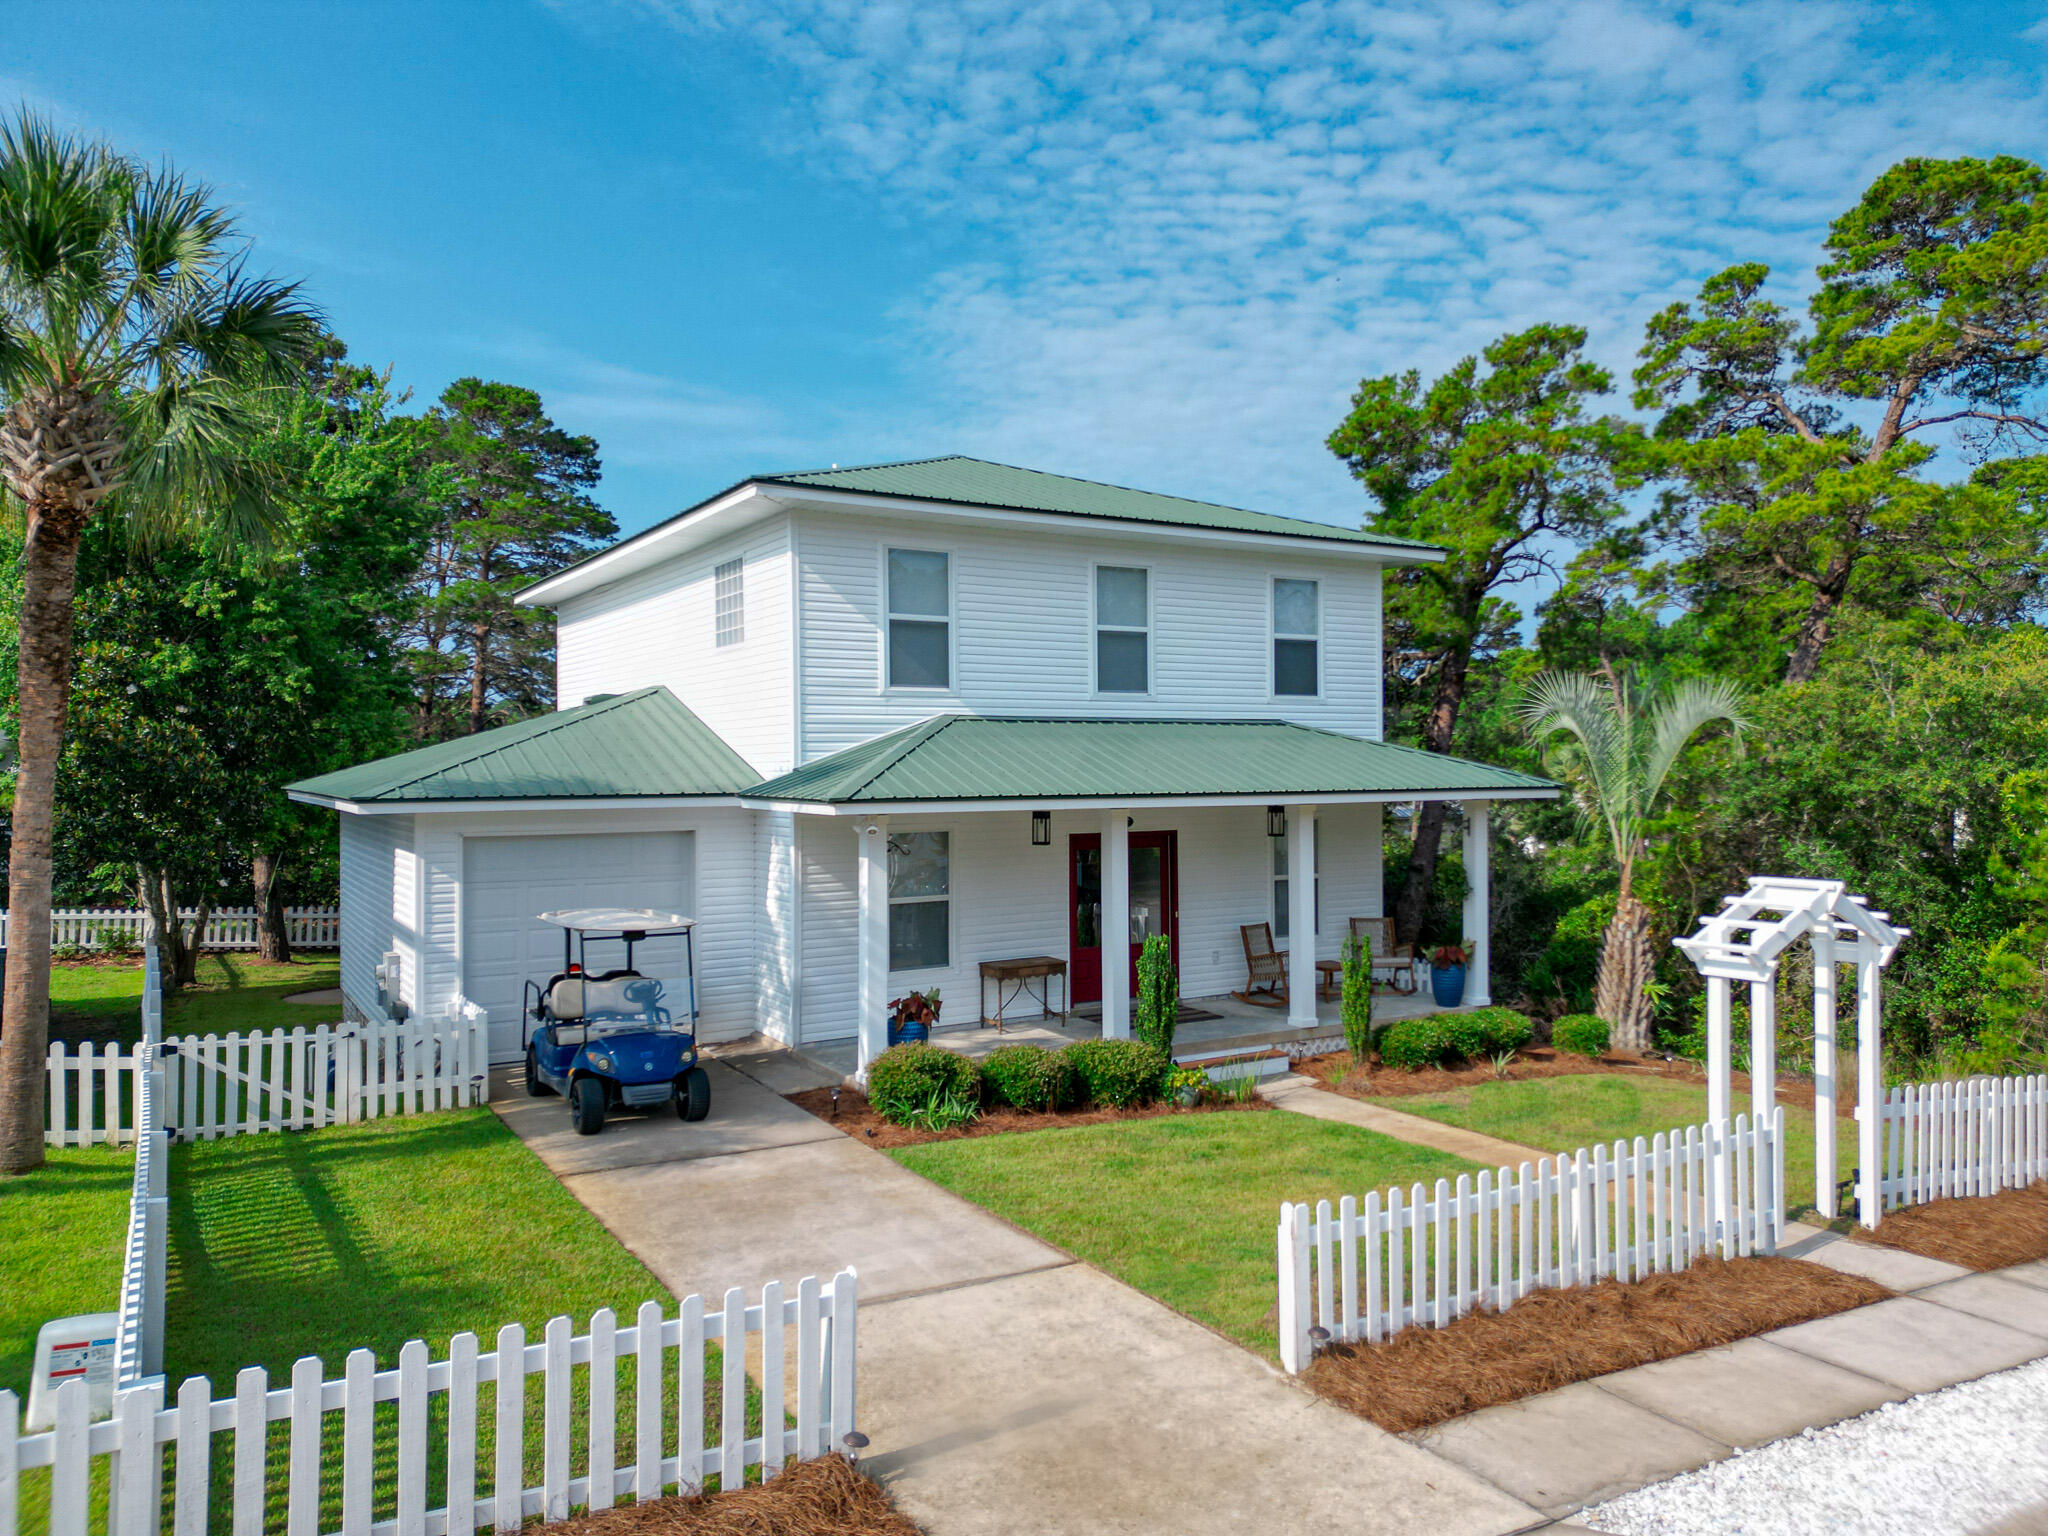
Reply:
x=608, y=1039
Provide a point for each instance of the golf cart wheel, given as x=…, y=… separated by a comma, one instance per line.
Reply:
x=693, y=1096
x=586, y=1105
x=535, y=1088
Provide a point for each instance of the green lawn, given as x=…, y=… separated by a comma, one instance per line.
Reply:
x=318, y=1242
x=233, y=993
x=61, y=1231
x=1182, y=1207
x=1562, y=1114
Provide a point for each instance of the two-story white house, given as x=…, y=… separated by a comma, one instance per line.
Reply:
x=872, y=727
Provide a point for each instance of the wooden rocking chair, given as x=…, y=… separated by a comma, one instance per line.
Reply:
x=1397, y=961
x=1265, y=968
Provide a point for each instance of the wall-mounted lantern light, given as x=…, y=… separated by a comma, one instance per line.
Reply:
x=1041, y=829
x=1276, y=821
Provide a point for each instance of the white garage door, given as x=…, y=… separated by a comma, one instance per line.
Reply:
x=505, y=880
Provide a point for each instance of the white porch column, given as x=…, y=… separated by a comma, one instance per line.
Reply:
x=1720, y=1054
x=872, y=943
x=1763, y=1048
x=1478, y=908
x=1824, y=1021
x=1869, y=1082
x=1116, y=925
x=1301, y=916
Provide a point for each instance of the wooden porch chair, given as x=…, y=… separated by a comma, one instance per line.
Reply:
x=1396, y=960
x=1265, y=968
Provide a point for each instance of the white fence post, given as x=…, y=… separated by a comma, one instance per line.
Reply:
x=1294, y=1287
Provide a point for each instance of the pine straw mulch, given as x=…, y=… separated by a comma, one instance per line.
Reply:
x=860, y=1121
x=1983, y=1232
x=1552, y=1338
x=1334, y=1072
x=827, y=1497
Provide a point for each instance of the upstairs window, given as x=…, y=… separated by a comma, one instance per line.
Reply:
x=729, y=586
x=1297, y=639
x=920, y=908
x=1123, y=624
x=920, y=619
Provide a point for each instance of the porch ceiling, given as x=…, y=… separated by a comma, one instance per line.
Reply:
x=953, y=759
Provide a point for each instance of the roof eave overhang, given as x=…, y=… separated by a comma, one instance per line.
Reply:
x=1135, y=802
x=733, y=508
x=524, y=803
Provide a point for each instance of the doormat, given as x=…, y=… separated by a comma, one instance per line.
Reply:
x=1189, y=1014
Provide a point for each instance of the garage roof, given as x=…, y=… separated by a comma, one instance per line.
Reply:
x=644, y=743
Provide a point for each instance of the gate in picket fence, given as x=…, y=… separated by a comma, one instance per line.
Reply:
x=1369, y=1270
x=468, y=1413
x=1954, y=1140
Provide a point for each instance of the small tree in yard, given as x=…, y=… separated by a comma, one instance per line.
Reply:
x=1622, y=749
x=1356, y=1008
x=1158, y=1014
x=136, y=356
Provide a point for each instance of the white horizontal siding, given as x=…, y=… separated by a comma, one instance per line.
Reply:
x=726, y=883
x=378, y=911
x=657, y=628
x=1023, y=640
x=1010, y=899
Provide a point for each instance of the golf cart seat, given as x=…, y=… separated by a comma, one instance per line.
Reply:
x=616, y=995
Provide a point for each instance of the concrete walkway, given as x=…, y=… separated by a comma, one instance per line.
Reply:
x=1004, y=1386
x=1293, y=1091
x=1594, y=1440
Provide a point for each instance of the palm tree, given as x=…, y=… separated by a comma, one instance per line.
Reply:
x=1622, y=748
x=136, y=355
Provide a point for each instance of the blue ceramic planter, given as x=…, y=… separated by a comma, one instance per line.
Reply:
x=915, y=1034
x=1447, y=982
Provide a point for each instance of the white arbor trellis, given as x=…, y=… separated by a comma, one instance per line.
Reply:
x=1744, y=942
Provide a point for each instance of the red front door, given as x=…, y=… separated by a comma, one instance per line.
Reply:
x=1155, y=905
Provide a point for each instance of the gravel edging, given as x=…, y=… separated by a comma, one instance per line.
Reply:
x=1944, y=1463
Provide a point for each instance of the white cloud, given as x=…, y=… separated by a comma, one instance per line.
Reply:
x=1204, y=225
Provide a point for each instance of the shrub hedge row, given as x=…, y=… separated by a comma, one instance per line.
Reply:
x=906, y=1080
x=1447, y=1038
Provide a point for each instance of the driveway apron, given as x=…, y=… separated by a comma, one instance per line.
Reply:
x=1003, y=1386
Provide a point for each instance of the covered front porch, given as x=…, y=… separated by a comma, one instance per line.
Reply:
x=965, y=842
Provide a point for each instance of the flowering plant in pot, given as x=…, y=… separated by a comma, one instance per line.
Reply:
x=915, y=1016
x=1447, y=964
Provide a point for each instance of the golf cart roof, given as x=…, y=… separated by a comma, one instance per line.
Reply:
x=617, y=920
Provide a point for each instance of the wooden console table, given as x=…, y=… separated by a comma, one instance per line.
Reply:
x=1013, y=980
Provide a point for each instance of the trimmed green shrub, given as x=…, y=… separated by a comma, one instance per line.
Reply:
x=1028, y=1077
x=1583, y=1034
x=1504, y=1029
x=1465, y=1036
x=1415, y=1043
x=1158, y=1011
x=906, y=1080
x=1356, y=1008
x=1117, y=1074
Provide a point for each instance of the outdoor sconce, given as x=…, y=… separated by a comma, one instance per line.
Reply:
x=1041, y=829
x=1276, y=821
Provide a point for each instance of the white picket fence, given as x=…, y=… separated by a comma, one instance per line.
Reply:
x=1952, y=1140
x=338, y=1481
x=226, y=927
x=1366, y=1271
x=283, y=1080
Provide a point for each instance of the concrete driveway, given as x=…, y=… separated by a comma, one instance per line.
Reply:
x=1004, y=1387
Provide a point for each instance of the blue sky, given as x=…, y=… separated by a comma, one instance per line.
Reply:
x=1156, y=245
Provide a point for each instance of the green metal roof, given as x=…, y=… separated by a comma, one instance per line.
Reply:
x=633, y=744
x=979, y=483
x=971, y=757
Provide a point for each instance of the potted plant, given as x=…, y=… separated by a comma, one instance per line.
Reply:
x=1187, y=1085
x=1447, y=974
x=915, y=1016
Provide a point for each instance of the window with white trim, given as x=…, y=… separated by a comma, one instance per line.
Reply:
x=1297, y=638
x=1123, y=629
x=920, y=905
x=729, y=602
x=1280, y=886
x=920, y=619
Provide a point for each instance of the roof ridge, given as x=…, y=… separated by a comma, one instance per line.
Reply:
x=546, y=724
x=851, y=469
x=914, y=736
